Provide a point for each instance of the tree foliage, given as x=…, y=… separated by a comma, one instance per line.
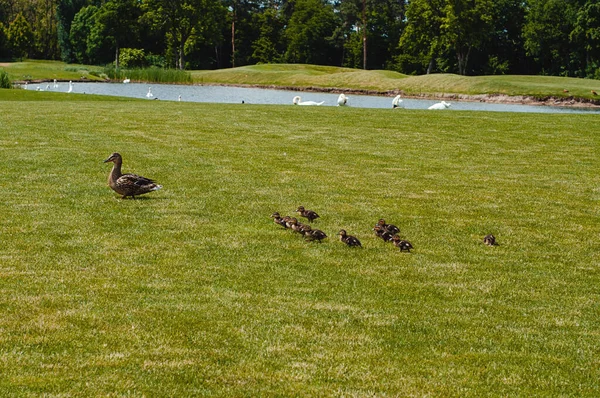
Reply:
x=470, y=37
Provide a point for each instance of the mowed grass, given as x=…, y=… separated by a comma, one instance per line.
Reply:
x=193, y=291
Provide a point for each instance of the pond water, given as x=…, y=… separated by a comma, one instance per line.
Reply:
x=235, y=95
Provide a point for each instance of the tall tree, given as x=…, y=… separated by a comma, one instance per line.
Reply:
x=548, y=25
x=310, y=34
x=465, y=24
x=65, y=12
x=586, y=36
x=186, y=21
x=118, y=20
x=421, y=41
x=20, y=36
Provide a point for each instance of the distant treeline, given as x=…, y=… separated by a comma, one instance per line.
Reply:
x=468, y=37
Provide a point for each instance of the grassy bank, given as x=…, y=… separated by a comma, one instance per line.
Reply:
x=326, y=78
x=192, y=291
x=322, y=77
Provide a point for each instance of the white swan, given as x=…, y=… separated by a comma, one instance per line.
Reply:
x=298, y=101
x=342, y=100
x=149, y=94
x=179, y=98
x=396, y=101
x=70, y=87
x=440, y=105
x=55, y=84
x=127, y=80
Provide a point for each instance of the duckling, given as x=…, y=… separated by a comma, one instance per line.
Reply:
x=489, y=240
x=349, y=239
x=594, y=93
x=402, y=244
x=313, y=234
x=295, y=226
x=311, y=215
x=392, y=229
x=278, y=220
x=128, y=184
x=383, y=234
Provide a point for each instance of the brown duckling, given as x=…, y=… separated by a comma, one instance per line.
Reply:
x=278, y=220
x=383, y=234
x=311, y=215
x=313, y=234
x=489, y=240
x=402, y=244
x=392, y=229
x=349, y=239
x=295, y=225
x=128, y=184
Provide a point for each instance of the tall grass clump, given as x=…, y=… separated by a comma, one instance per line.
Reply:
x=155, y=75
x=4, y=80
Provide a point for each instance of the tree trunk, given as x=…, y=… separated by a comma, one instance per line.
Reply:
x=181, y=60
x=233, y=38
x=117, y=58
x=430, y=66
x=364, y=33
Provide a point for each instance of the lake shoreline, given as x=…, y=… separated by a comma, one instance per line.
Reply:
x=570, y=101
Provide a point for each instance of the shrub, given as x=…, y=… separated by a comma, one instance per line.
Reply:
x=132, y=58
x=4, y=80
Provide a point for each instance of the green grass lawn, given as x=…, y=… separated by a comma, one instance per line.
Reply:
x=193, y=291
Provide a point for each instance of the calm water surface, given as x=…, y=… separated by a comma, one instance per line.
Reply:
x=235, y=95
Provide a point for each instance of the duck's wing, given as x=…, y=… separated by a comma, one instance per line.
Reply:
x=134, y=180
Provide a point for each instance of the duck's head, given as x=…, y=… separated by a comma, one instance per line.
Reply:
x=342, y=232
x=381, y=222
x=113, y=158
x=275, y=215
x=300, y=208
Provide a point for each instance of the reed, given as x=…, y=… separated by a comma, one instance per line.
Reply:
x=154, y=75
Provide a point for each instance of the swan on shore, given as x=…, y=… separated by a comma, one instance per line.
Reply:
x=298, y=101
x=70, y=90
x=440, y=105
x=342, y=100
x=396, y=101
x=127, y=80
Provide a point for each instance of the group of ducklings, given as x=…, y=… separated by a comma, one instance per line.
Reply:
x=387, y=232
x=305, y=230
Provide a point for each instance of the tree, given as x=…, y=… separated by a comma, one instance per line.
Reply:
x=586, y=36
x=421, y=41
x=310, y=34
x=186, y=20
x=117, y=20
x=65, y=13
x=268, y=47
x=465, y=24
x=548, y=25
x=79, y=35
x=20, y=36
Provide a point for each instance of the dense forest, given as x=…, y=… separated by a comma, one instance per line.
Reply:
x=468, y=37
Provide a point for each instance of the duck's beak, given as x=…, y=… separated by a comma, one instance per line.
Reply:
x=108, y=160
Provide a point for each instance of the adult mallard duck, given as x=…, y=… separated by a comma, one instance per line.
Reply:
x=128, y=184
x=489, y=240
x=349, y=239
x=311, y=215
x=402, y=244
x=392, y=229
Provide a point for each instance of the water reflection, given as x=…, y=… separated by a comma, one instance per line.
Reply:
x=238, y=95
